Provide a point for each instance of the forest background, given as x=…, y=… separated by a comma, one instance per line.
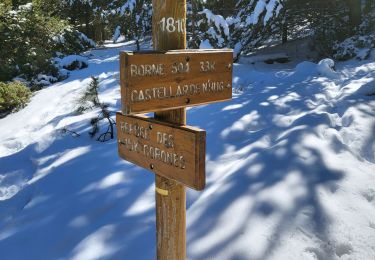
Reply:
x=40, y=40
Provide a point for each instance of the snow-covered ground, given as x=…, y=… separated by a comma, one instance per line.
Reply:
x=290, y=171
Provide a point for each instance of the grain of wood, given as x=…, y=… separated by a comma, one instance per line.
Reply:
x=175, y=152
x=205, y=77
x=171, y=209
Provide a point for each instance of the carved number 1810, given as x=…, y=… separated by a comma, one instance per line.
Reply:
x=171, y=25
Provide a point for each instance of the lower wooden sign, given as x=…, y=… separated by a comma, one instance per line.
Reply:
x=175, y=152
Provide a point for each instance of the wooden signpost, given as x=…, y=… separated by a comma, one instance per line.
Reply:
x=166, y=82
x=175, y=152
x=155, y=81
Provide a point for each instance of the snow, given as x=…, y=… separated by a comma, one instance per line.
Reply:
x=326, y=67
x=356, y=46
x=205, y=44
x=128, y=5
x=237, y=49
x=68, y=61
x=72, y=2
x=26, y=7
x=258, y=10
x=290, y=170
x=116, y=34
x=218, y=20
x=45, y=80
x=271, y=9
x=59, y=39
x=218, y=28
x=86, y=40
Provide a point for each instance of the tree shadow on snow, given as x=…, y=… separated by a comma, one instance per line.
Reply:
x=80, y=202
x=261, y=168
x=76, y=198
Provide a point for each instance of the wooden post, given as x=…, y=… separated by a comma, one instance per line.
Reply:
x=169, y=32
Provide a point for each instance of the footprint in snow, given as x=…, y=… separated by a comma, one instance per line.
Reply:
x=314, y=253
x=347, y=120
x=343, y=249
x=369, y=195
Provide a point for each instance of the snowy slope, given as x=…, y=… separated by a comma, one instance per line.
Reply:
x=290, y=171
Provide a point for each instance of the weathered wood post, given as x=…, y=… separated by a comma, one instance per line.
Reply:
x=167, y=82
x=169, y=32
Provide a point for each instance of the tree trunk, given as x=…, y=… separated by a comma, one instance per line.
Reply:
x=354, y=12
x=284, y=23
x=103, y=32
x=284, y=32
x=138, y=45
x=14, y=4
x=367, y=8
x=193, y=19
x=87, y=22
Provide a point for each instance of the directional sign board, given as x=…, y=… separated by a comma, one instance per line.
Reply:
x=156, y=81
x=175, y=152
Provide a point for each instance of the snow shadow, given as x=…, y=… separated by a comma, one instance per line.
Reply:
x=74, y=198
x=264, y=166
x=86, y=200
x=269, y=164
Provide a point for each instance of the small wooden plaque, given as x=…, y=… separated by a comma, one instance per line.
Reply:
x=157, y=81
x=175, y=152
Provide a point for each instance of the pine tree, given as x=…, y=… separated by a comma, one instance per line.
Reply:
x=255, y=21
x=355, y=12
x=226, y=8
x=327, y=22
x=133, y=18
x=192, y=26
x=90, y=100
x=205, y=28
x=369, y=5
